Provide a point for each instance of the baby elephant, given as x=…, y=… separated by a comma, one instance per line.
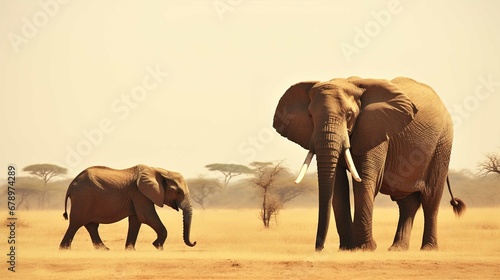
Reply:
x=103, y=195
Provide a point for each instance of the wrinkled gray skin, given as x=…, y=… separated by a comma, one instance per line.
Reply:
x=400, y=135
x=101, y=195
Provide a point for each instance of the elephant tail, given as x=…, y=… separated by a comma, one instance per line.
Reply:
x=73, y=184
x=458, y=205
x=68, y=192
x=65, y=214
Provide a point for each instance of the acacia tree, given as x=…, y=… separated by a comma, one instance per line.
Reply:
x=45, y=172
x=26, y=188
x=265, y=174
x=229, y=171
x=201, y=188
x=277, y=188
x=490, y=165
x=275, y=184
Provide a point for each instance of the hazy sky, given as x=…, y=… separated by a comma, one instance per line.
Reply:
x=181, y=84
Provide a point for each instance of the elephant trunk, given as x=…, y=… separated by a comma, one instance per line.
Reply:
x=328, y=146
x=187, y=215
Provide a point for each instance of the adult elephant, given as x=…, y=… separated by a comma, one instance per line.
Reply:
x=104, y=195
x=400, y=137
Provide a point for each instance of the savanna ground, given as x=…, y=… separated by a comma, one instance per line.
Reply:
x=232, y=244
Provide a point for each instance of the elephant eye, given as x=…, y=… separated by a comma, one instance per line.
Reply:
x=349, y=115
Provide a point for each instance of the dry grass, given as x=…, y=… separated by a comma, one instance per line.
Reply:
x=232, y=244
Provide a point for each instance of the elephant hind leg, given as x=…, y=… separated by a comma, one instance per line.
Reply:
x=92, y=228
x=68, y=236
x=431, y=208
x=429, y=239
x=431, y=198
x=408, y=207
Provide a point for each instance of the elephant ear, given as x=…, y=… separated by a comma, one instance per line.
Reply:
x=174, y=179
x=291, y=118
x=149, y=185
x=174, y=183
x=385, y=111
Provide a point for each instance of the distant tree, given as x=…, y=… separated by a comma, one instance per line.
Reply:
x=274, y=181
x=490, y=165
x=26, y=187
x=285, y=191
x=265, y=174
x=229, y=170
x=201, y=188
x=45, y=172
x=277, y=188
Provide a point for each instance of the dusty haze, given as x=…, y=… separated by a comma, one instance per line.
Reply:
x=232, y=244
x=181, y=85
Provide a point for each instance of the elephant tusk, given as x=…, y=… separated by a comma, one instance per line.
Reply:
x=351, y=166
x=304, y=167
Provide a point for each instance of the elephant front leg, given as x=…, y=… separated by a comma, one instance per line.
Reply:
x=342, y=210
x=161, y=232
x=145, y=213
x=363, y=217
x=372, y=167
x=133, y=230
x=152, y=220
